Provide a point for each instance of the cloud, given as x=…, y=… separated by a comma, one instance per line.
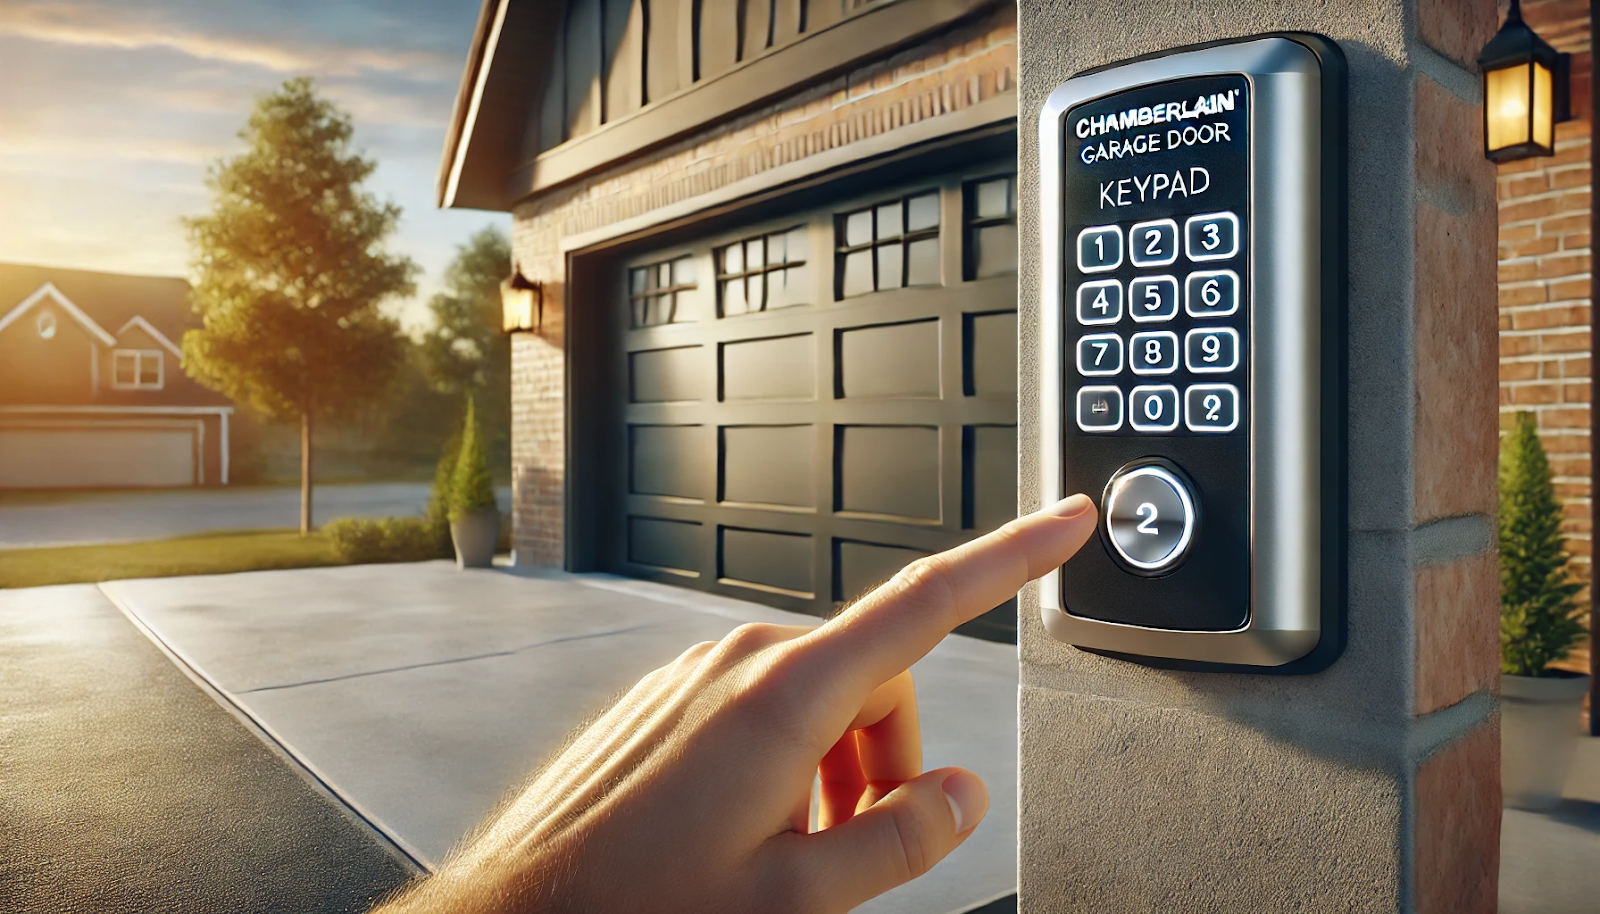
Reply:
x=101, y=147
x=111, y=27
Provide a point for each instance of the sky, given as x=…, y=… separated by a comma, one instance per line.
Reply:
x=111, y=112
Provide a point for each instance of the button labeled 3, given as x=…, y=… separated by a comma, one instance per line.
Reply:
x=1149, y=517
x=1213, y=236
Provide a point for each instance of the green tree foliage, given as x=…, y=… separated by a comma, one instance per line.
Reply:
x=471, y=487
x=438, y=511
x=465, y=353
x=291, y=269
x=1539, y=620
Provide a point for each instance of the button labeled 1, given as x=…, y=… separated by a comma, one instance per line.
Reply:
x=1099, y=249
x=1150, y=518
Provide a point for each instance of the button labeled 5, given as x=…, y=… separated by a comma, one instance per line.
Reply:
x=1211, y=293
x=1212, y=236
x=1153, y=244
x=1153, y=298
x=1100, y=302
x=1099, y=249
x=1211, y=351
x=1100, y=355
x=1155, y=352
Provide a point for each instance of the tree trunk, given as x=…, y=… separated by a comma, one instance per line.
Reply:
x=305, y=473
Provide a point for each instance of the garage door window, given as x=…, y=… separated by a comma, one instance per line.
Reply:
x=661, y=293
x=889, y=245
x=763, y=273
x=137, y=369
x=991, y=207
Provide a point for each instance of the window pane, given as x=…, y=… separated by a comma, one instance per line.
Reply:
x=994, y=199
x=755, y=254
x=733, y=297
x=891, y=267
x=889, y=224
x=150, y=370
x=786, y=288
x=858, y=228
x=733, y=259
x=663, y=276
x=637, y=280
x=857, y=274
x=775, y=248
x=755, y=290
x=125, y=368
x=995, y=251
x=922, y=267
x=685, y=307
x=796, y=248
x=683, y=271
x=640, y=317
x=923, y=212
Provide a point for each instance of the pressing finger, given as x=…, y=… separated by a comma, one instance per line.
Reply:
x=889, y=738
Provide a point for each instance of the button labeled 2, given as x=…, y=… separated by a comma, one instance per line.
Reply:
x=1100, y=355
x=1211, y=408
x=1212, y=351
x=1153, y=298
x=1099, y=249
x=1212, y=236
x=1153, y=244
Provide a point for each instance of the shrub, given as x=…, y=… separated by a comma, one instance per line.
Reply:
x=363, y=541
x=471, y=487
x=437, y=515
x=1539, y=621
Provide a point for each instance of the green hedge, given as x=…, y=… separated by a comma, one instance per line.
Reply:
x=364, y=541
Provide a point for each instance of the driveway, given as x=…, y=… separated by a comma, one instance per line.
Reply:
x=112, y=517
x=420, y=695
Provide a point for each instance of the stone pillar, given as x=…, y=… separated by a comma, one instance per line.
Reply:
x=1374, y=785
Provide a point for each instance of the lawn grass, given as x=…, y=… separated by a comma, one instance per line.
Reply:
x=209, y=554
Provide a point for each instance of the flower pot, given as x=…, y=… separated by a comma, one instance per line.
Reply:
x=1539, y=717
x=474, y=534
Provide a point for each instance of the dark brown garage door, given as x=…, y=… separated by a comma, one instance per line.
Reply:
x=815, y=401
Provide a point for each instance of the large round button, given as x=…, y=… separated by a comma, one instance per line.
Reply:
x=1149, y=512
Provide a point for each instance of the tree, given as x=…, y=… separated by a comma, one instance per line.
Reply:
x=1539, y=620
x=465, y=354
x=291, y=269
x=470, y=485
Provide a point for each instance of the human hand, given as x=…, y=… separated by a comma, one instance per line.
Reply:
x=693, y=793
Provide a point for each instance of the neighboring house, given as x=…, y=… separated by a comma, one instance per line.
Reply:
x=92, y=388
x=775, y=356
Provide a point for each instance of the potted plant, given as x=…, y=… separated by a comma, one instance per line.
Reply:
x=474, y=515
x=1539, y=625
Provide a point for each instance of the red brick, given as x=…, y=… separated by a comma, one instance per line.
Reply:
x=1528, y=210
x=1457, y=839
x=1575, y=341
x=1518, y=270
x=1575, y=241
x=1541, y=318
x=1515, y=296
x=1575, y=393
x=1511, y=346
x=1570, y=289
x=1566, y=223
x=1525, y=232
x=1564, y=418
x=1570, y=177
x=1566, y=443
x=1575, y=368
x=1532, y=394
x=1563, y=265
x=1518, y=371
x=1531, y=248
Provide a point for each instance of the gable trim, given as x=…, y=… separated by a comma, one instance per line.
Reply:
x=157, y=335
x=49, y=290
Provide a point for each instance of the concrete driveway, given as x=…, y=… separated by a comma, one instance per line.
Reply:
x=420, y=695
x=112, y=517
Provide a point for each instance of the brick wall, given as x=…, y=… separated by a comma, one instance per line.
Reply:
x=1545, y=285
x=948, y=73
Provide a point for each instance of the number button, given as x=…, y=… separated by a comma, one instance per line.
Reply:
x=1213, y=236
x=1100, y=355
x=1211, y=293
x=1099, y=248
x=1211, y=408
x=1153, y=298
x=1153, y=244
x=1210, y=351
x=1153, y=353
x=1100, y=302
x=1150, y=518
x=1153, y=409
x=1099, y=409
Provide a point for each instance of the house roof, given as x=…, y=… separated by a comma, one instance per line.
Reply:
x=110, y=300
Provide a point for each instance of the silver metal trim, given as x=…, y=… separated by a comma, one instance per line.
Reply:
x=1285, y=352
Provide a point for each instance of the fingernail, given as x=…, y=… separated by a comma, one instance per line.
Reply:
x=968, y=798
x=1071, y=506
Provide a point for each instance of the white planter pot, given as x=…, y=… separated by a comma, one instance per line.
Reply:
x=1539, y=721
x=474, y=535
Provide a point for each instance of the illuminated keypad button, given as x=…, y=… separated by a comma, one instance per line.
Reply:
x=1152, y=299
x=1099, y=249
x=1153, y=244
x=1153, y=408
x=1100, y=355
x=1211, y=236
x=1210, y=351
x=1211, y=293
x=1099, y=409
x=1100, y=302
x=1211, y=408
x=1153, y=352
x=1150, y=518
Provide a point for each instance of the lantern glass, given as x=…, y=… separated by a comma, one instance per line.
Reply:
x=1520, y=110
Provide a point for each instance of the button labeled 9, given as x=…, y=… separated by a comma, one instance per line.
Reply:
x=1211, y=351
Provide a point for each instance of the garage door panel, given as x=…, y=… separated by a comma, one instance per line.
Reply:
x=769, y=465
x=667, y=460
x=662, y=543
x=889, y=470
x=990, y=355
x=770, y=368
x=106, y=457
x=888, y=360
x=860, y=566
x=767, y=558
x=989, y=480
x=668, y=375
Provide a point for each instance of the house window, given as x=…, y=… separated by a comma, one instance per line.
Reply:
x=46, y=324
x=991, y=208
x=889, y=246
x=137, y=369
x=658, y=293
x=762, y=273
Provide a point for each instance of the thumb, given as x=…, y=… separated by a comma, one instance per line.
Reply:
x=898, y=838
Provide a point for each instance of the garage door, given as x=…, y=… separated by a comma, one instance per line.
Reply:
x=85, y=458
x=814, y=401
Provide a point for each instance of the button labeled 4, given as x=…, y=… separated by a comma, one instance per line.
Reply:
x=1100, y=302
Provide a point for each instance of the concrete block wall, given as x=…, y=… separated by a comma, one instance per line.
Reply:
x=1372, y=786
x=967, y=65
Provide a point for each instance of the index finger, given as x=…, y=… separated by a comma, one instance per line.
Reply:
x=888, y=630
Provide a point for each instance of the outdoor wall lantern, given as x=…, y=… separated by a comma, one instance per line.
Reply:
x=1525, y=91
x=522, y=302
